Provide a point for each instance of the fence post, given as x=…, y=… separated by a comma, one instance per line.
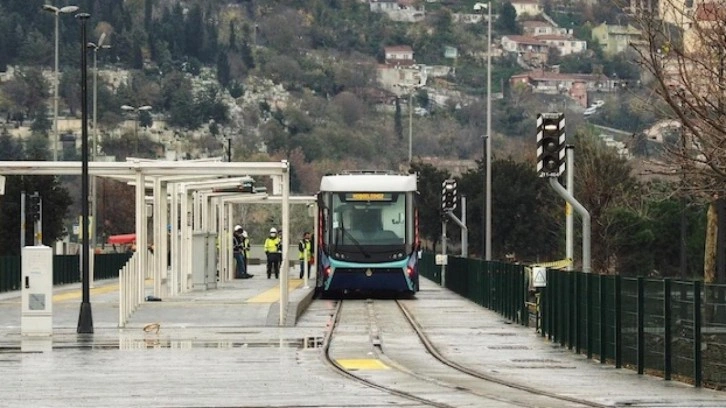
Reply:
x=588, y=312
x=641, y=325
x=524, y=297
x=578, y=345
x=550, y=304
x=560, y=332
x=566, y=339
x=488, y=272
x=572, y=278
x=667, y=329
x=618, y=323
x=697, y=372
x=603, y=326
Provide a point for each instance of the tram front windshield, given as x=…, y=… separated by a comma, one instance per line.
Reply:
x=368, y=219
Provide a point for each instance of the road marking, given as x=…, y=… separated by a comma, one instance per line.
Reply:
x=354, y=364
x=272, y=295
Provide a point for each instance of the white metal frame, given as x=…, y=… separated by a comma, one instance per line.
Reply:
x=166, y=177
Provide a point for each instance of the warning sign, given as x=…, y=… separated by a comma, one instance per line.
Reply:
x=539, y=276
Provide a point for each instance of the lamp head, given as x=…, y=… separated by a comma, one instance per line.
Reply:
x=72, y=9
x=480, y=6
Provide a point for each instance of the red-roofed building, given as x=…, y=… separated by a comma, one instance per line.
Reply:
x=576, y=86
x=529, y=49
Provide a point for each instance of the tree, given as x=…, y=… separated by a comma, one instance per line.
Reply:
x=429, y=188
x=688, y=74
x=55, y=198
x=603, y=181
x=70, y=90
x=525, y=212
x=27, y=91
x=223, y=70
x=507, y=21
x=194, y=32
x=41, y=125
x=116, y=207
x=232, y=43
x=350, y=107
x=689, y=77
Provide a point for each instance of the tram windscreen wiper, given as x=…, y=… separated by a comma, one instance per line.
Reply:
x=345, y=232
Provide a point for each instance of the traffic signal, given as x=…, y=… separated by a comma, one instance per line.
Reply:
x=35, y=206
x=550, y=144
x=449, y=195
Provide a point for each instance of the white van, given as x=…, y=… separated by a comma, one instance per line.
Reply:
x=589, y=111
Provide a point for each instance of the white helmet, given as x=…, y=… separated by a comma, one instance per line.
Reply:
x=237, y=227
x=273, y=231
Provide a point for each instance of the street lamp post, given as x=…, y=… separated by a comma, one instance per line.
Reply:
x=488, y=138
x=410, y=89
x=85, y=318
x=57, y=12
x=94, y=149
x=137, y=110
x=410, y=126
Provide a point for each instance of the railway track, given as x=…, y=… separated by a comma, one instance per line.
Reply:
x=422, y=374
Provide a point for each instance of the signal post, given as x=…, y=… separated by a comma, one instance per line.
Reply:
x=449, y=202
x=551, y=151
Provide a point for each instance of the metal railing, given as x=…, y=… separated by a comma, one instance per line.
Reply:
x=131, y=291
x=66, y=269
x=670, y=328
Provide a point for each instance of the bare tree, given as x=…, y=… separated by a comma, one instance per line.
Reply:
x=685, y=52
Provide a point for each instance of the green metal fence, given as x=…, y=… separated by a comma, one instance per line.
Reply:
x=670, y=328
x=66, y=269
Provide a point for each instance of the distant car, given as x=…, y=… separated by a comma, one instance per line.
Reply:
x=598, y=103
x=589, y=111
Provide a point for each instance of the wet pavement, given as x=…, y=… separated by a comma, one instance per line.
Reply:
x=223, y=348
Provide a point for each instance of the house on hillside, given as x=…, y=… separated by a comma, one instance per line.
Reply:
x=531, y=50
x=399, y=10
x=536, y=28
x=527, y=7
x=616, y=38
x=399, y=71
x=564, y=45
x=576, y=86
x=398, y=55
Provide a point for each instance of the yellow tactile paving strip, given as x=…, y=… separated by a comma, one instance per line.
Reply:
x=76, y=294
x=353, y=364
x=272, y=295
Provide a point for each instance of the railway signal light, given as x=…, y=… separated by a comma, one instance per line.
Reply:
x=449, y=195
x=550, y=144
x=35, y=206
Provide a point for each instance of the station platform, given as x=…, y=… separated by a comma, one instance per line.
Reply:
x=223, y=348
x=250, y=302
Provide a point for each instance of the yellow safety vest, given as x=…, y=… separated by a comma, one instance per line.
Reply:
x=271, y=245
x=306, y=248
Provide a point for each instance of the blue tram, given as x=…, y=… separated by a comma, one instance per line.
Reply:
x=368, y=233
